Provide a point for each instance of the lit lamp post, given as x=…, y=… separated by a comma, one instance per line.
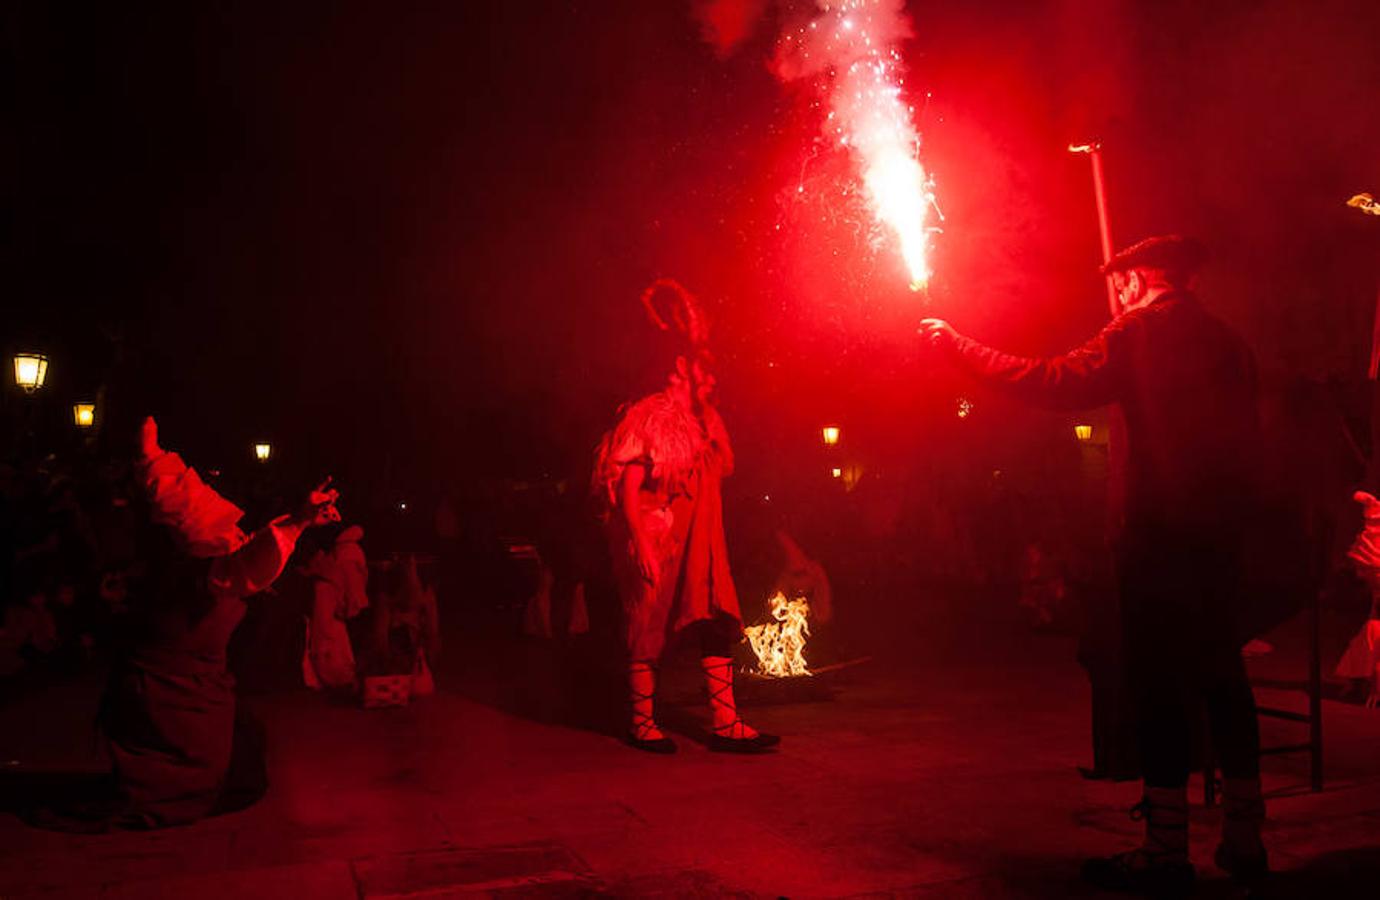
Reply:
x=30, y=371
x=262, y=451
x=84, y=414
x=830, y=434
x=836, y=472
x=1083, y=432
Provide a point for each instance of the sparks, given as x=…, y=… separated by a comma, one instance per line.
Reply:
x=869, y=117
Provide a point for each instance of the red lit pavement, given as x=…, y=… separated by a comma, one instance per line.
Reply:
x=928, y=780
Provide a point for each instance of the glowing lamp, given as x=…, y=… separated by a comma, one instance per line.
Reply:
x=836, y=472
x=30, y=371
x=830, y=433
x=1083, y=432
x=84, y=414
x=262, y=451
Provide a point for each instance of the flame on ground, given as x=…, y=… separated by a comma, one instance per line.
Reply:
x=780, y=645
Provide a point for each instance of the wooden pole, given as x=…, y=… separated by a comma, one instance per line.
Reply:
x=1093, y=149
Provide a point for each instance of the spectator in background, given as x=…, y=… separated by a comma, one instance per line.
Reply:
x=77, y=623
x=407, y=637
x=801, y=576
x=29, y=634
x=339, y=578
x=1044, y=589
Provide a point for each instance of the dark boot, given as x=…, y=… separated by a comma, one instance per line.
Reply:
x=1242, y=853
x=1160, y=866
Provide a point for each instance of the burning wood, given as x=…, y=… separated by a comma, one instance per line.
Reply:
x=780, y=645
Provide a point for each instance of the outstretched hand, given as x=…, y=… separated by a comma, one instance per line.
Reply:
x=939, y=332
x=319, y=506
x=148, y=439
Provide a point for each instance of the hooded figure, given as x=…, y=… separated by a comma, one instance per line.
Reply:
x=169, y=710
x=339, y=579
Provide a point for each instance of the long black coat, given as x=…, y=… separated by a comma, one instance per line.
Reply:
x=1186, y=384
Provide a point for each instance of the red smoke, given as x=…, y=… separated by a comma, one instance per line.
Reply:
x=725, y=24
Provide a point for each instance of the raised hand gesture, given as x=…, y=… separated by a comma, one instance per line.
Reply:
x=319, y=506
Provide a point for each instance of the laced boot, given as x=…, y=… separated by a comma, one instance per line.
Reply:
x=731, y=734
x=1160, y=866
x=1242, y=853
x=644, y=733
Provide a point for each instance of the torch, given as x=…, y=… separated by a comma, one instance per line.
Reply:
x=1093, y=149
x=1367, y=204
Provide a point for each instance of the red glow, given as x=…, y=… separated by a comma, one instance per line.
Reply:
x=853, y=46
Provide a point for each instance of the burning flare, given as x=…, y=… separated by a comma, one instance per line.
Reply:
x=780, y=645
x=852, y=44
x=1365, y=203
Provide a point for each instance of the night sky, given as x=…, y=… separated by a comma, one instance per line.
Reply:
x=417, y=231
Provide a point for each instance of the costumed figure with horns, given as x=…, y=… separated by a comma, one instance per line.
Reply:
x=657, y=480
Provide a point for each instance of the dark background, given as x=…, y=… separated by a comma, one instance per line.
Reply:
x=405, y=241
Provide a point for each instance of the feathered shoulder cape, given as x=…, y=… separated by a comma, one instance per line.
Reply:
x=656, y=431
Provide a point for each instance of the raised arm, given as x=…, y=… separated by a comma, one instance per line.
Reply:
x=1091, y=375
x=259, y=561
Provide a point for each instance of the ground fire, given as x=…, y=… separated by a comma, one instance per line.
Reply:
x=780, y=644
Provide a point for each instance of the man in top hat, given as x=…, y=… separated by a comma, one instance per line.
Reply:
x=1186, y=385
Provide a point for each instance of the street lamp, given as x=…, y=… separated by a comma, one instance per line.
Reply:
x=84, y=414
x=30, y=371
x=262, y=451
x=830, y=433
x=1083, y=432
x=836, y=472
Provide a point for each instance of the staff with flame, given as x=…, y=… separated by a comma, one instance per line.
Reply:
x=657, y=474
x=1360, y=663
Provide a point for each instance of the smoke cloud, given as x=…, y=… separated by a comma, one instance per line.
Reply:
x=810, y=46
x=726, y=24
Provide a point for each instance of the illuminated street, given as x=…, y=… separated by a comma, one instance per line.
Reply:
x=938, y=779
x=689, y=448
